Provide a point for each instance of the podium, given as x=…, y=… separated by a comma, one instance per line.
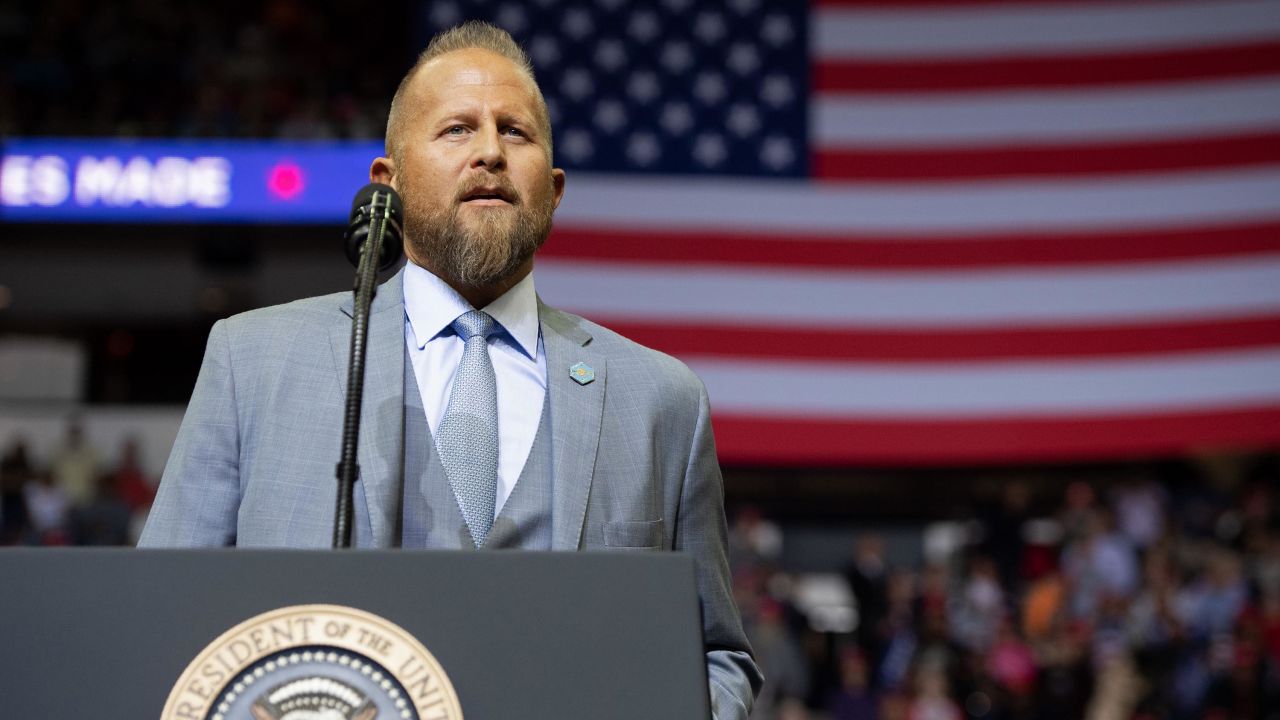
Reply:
x=519, y=635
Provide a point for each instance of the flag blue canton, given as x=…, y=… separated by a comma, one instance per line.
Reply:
x=665, y=86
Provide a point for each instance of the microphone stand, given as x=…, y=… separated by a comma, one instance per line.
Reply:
x=365, y=289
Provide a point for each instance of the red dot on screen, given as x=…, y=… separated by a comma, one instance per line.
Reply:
x=286, y=181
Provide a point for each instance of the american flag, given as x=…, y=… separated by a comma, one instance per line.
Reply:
x=919, y=232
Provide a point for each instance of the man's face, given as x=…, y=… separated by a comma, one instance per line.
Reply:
x=473, y=170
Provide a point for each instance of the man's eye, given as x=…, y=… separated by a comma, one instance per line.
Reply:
x=517, y=132
x=455, y=130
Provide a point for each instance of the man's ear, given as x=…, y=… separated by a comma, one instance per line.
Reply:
x=383, y=170
x=557, y=181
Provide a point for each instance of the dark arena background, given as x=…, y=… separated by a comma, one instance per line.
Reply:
x=985, y=293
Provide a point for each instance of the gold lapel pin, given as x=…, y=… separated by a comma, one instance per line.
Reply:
x=582, y=373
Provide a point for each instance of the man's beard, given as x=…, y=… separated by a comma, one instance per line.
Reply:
x=484, y=252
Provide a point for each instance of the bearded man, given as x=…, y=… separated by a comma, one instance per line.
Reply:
x=551, y=461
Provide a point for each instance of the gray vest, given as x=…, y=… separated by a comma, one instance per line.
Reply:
x=430, y=514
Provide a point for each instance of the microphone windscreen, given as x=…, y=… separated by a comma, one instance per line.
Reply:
x=375, y=199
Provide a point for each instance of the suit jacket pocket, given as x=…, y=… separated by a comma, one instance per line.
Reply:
x=627, y=535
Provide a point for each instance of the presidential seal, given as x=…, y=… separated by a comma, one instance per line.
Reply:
x=314, y=662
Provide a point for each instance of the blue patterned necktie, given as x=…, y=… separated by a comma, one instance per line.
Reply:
x=468, y=436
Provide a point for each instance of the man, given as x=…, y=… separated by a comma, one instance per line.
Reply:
x=589, y=441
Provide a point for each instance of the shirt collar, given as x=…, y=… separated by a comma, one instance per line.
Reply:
x=432, y=306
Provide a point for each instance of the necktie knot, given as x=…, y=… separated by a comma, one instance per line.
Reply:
x=474, y=323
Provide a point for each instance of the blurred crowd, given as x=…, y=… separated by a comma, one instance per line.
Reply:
x=1157, y=596
x=1154, y=597
x=75, y=499
x=153, y=68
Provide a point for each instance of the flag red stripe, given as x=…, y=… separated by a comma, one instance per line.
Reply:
x=1170, y=65
x=805, y=441
x=943, y=344
x=931, y=164
x=750, y=247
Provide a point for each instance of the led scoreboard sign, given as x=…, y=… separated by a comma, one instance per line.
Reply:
x=170, y=181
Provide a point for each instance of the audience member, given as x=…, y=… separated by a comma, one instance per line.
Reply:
x=15, y=470
x=130, y=482
x=853, y=698
x=781, y=660
x=1004, y=535
x=75, y=467
x=48, y=510
x=1140, y=506
x=867, y=576
x=105, y=519
x=932, y=698
x=1098, y=564
x=979, y=609
x=753, y=540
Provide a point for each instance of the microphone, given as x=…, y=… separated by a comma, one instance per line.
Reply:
x=375, y=220
x=375, y=202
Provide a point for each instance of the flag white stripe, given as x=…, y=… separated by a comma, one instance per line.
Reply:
x=1172, y=290
x=1194, y=381
x=1165, y=200
x=1037, y=29
x=1047, y=117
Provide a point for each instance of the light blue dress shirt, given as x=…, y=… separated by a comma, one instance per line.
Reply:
x=519, y=363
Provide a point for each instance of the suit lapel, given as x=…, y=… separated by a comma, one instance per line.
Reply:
x=380, y=452
x=576, y=412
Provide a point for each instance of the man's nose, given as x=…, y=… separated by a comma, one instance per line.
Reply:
x=488, y=150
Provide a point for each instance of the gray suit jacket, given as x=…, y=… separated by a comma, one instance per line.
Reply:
x=633, y=455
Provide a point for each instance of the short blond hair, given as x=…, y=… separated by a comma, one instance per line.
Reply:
x=470, y=35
